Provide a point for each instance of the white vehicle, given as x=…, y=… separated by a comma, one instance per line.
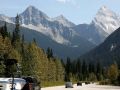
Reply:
x=6, y=83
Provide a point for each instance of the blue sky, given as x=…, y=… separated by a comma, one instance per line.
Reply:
x=77, y=11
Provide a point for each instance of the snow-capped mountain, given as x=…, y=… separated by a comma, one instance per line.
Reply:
x=104, y=23
x=33, y=16
x=107, y=20
x=37, y=20
x=57, y=29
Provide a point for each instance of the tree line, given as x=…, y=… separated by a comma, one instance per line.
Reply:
x=79, y=70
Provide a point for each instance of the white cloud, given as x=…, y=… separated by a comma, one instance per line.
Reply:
x=64, y=1
x=72, y=2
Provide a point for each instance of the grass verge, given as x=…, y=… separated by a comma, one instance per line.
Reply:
x=50, y=84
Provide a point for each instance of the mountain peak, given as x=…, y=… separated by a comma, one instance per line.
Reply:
x=31, y=9
x=104, y=8
x=34, y=11
x=107, y=20
x=33, y=16
x=61, y=19
x=31, y=6
x=105, y=11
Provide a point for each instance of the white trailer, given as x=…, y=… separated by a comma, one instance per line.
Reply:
x=6, y=83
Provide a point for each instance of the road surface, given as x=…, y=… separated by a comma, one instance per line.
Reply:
x=84, y=87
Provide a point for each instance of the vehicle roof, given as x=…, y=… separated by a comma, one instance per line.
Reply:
x=8, y=80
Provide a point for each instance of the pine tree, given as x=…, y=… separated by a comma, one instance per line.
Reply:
x=90, y=68
x=34, y=40
x=68, y=69
x=17, y=29
x=99, y=71
x=16, y=32
x=3, y=31
x=92, y=75
x=84, y=70
x=2, y=68
x=79, y=69
x=22, y=46
x=49, y=53
x=23, y=39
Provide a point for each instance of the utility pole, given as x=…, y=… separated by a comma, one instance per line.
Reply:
x=13, y=86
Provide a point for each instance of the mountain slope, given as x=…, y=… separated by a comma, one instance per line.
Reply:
x=60, y=50
x=90, y=32
x=5, y=18
x=108, y=51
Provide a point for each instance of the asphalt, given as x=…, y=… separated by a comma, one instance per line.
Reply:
x=84, y=87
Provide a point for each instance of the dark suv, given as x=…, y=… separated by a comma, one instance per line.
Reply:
x=31, y=84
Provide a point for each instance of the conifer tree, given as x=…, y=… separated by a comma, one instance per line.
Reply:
x=79, y=69
x=49, y=53
x=68, y=69
x=3, y=31
x=84, y=70
x=16, y=32
x=2, y=68
x=17, y=29
x=23, y=39
x=99, y=71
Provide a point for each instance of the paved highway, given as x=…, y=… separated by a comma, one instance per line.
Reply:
x=84, y=87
